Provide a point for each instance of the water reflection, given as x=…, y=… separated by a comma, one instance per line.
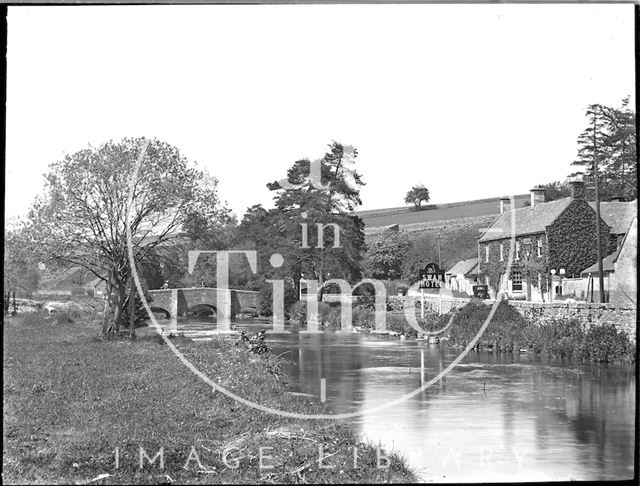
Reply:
x=494, y=417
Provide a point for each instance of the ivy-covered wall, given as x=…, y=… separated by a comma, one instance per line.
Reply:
x=572, y=239
x=530, y=267
x=569, y=243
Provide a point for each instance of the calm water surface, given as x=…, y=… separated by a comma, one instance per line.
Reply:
x=493, y=418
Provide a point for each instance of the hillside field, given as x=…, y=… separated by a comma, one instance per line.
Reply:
x=404, y=215
x=458, y=225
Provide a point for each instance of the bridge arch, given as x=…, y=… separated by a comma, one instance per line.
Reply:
x=157, y=309
x=195, y=308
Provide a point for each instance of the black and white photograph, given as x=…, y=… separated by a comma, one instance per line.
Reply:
x=295, y=242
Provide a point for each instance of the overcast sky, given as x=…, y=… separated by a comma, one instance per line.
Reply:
x=472, y=100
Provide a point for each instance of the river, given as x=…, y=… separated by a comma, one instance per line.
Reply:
x=495, y=417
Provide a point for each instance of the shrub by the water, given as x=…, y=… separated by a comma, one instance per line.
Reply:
x=265, y=298
x=366, y=320
x=569, y=338
x=509, y=331
x=506, y=330
x=298, y=312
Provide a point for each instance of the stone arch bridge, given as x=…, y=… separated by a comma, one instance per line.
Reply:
x=225, y=302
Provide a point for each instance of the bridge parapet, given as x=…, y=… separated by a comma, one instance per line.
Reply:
x=225, y=302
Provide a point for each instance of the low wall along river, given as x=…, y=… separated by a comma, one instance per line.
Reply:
x=622, y=315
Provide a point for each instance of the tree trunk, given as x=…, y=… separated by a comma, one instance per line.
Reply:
x=116, y=292
x=320, y=282
x=296, y=284
x=120, y=302
x=132, y=309
x=107, y=308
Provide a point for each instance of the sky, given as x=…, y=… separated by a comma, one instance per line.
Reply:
x=472, y=101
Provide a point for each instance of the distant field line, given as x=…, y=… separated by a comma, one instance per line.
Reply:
x=450, y=224
x=372, y=213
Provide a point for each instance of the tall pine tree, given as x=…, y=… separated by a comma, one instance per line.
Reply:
x=609, y=143
x=304, y=206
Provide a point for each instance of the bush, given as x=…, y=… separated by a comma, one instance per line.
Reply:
x=605, y=344
x=507, y=329
x=559, y=338
x=363, y=318
x=265, y=298
x=333, y=318
x=365, y=302
x=298, y=312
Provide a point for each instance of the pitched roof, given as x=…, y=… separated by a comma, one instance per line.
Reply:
x=607, y=265
x=465, y=267
x=618, y=215
x=528, y=220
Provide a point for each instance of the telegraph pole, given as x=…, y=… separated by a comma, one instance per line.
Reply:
x=598, y=238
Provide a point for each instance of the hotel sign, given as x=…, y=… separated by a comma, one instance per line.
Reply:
x=431, y=277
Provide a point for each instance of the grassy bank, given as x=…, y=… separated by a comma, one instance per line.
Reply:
x=71, y=400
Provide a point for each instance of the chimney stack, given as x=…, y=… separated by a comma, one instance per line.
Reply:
x=504, y=203
x=537, y=195
x=577, y=188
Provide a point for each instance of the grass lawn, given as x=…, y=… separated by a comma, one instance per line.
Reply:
x=71, y=401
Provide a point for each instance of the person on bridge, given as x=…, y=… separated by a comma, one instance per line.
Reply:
x=165, y=285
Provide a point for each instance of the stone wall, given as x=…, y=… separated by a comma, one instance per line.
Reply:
x=622, y=315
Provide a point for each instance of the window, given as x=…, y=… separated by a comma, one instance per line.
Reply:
x=486, y=253
x=501, y=252
x=517, y=251
x=539, y=249
x=516, y=280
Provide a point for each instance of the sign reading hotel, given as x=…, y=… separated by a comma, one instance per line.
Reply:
x=431, y=277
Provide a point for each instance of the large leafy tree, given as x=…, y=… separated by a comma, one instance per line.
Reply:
x=385, y=255
x=81, y=217
x=417, y=195
x=21, y=272
x=421, y=251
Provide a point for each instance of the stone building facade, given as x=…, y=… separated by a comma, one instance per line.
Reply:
x=557, y=235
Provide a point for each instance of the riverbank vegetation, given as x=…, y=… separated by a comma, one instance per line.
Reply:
x=560, y=338
x=73, y=403
x=510, y=332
